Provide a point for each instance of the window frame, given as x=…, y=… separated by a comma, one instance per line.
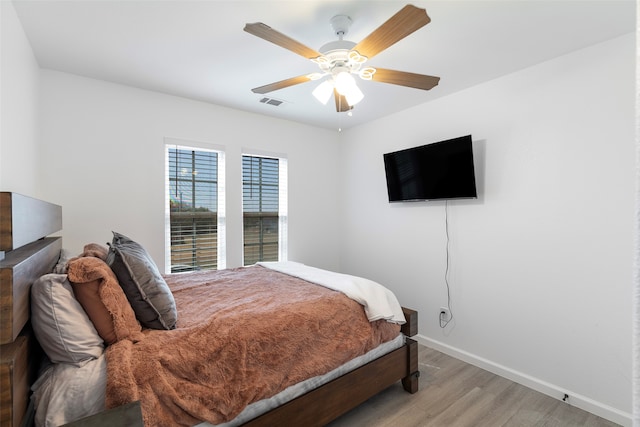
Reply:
x=172, y=143
x=282, y=200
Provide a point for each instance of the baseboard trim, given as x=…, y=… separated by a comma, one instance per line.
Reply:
x=575, y=399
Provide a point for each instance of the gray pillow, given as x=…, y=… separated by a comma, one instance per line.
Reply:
x=60, y=324
x=146, y=290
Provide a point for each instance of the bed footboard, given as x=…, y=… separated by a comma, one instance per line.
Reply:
x=326, y=403
x=410, y=382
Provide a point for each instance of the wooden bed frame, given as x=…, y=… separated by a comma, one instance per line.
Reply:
x=26, y=254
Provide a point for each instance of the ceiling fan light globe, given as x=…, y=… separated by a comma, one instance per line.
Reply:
x=354, y=95
x=344, y=82
x=346, y=86
x=323, y=92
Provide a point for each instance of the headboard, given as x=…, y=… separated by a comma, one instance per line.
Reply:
x=25, y=255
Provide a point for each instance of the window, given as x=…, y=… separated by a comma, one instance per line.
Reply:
x=195, y=209
x=264, y=208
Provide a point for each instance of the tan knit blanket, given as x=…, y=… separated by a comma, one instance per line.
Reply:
x=243, y=335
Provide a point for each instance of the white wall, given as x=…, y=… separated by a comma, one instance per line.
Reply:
x=18, y=107
x=104, y=145
x=541, y=263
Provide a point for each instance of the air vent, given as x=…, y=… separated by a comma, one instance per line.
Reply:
x=272, y=101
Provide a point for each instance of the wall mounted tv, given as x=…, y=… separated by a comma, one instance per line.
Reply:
x=442, y=170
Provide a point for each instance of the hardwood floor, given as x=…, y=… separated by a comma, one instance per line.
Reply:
x=457, y=394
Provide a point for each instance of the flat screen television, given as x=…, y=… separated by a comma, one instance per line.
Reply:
x=442, y=170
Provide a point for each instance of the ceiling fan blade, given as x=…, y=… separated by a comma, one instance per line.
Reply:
x=341, y=102
x=281, y=84
x=399, y=26
x=267, y=33
x=402, y=78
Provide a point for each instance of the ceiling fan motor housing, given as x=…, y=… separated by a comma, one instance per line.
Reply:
x=336, y=54
x=337, y=45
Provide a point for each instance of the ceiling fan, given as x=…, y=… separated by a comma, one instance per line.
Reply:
x=340, y=59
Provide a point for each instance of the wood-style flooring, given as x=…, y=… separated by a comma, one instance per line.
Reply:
x=456, y=394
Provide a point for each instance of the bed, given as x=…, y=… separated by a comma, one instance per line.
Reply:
x=27, y=255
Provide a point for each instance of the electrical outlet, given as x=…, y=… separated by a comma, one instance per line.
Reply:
x=445, y=314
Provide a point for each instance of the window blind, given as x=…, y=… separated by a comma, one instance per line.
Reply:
x=260, y=208
x=193, y=206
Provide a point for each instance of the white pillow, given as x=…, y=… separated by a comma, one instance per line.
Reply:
x=60, y=324
x=65, y=393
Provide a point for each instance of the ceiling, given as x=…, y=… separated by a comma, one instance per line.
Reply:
x=198, y=49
